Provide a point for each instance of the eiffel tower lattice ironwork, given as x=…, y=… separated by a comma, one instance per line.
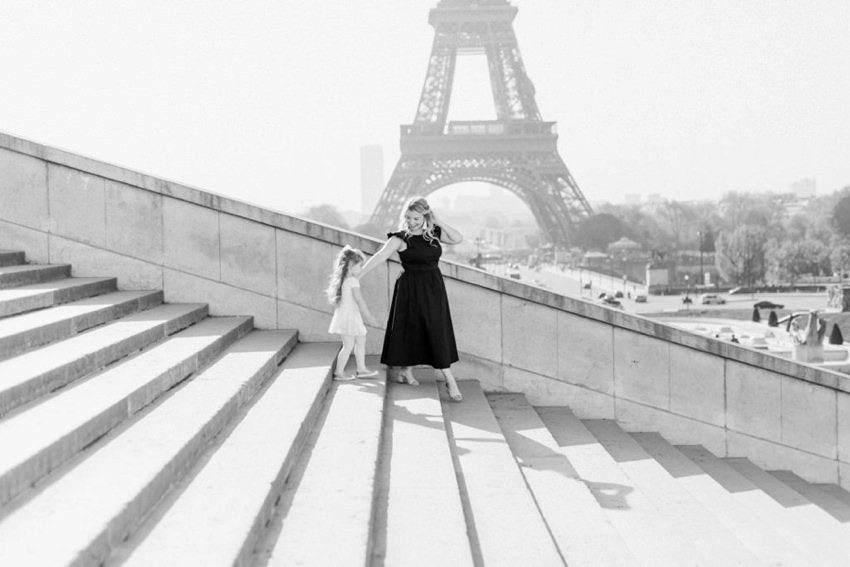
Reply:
x=517, y=151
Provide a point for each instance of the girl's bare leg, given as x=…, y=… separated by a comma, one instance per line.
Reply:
x=360, y=353
x=360, y=358
x=342, y=358
x=451, y=384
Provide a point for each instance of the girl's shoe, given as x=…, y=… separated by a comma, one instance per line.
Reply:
x=366, y=373
x=342, y=377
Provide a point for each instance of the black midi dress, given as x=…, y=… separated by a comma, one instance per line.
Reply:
x=419, y=326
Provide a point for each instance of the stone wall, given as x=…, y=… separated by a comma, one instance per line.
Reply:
x=244, y=260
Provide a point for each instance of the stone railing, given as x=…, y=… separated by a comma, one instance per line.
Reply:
x=242, y=259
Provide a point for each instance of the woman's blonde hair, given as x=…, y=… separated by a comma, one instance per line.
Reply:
x=346, y=258
x=419, y=205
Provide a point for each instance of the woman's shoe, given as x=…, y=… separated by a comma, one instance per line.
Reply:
x=407, y=379
x=456, y=397
x=366, y=373
x=342, y=377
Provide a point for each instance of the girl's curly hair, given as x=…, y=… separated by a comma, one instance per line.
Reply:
x=346, y=258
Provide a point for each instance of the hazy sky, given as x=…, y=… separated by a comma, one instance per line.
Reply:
x=270, y=101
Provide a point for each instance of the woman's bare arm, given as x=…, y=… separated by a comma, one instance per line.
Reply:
x=449, y=235
x=390, y=246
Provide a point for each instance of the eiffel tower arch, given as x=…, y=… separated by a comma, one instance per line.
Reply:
x=517, y=151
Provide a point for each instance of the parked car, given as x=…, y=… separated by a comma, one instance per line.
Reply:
x=711, y=298
x=640, y=298
x=611, y=301
x=618, y=294
x=768, y=305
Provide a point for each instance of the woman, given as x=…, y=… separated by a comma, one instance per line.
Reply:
x=419, y=326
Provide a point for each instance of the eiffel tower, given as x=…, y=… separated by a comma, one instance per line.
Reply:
x=517, y=151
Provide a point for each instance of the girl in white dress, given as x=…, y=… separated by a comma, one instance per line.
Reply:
x=344, y=293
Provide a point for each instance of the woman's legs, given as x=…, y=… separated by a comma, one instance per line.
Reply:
x=405, y=376
x=342, y=357
x=451, y=384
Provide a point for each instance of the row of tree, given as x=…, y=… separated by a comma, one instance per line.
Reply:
x=757, y=238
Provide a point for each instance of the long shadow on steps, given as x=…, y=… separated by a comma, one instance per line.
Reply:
x=608, y=495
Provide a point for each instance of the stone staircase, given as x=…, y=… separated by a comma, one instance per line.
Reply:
x=134, y=432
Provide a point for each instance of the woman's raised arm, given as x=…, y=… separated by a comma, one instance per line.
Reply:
x=449, y=234
x=390, y=246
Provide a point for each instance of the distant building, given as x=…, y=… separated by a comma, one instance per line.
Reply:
x=371, y=176
x=804, y=188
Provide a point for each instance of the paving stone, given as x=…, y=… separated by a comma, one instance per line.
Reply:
x=31, y=330
x=39, y=296
x=629, y=510
x=11, y=258
x=13, y=276
x=104, y=497
x=336, y=491
x=246, y=473
x=508, y=527
x=34, y=442
x=762, y=508
x=25, y=377
x=756, y=535
x=578, y=524
x=714, y=543
x=422, y=485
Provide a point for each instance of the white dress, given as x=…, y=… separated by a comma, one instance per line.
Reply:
x=347, y=319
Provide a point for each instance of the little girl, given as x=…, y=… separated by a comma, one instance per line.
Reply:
x=344, y=293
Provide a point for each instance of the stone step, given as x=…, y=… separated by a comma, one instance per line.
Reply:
x=30, y=330
x=11, y=258
x=36, y=441
x=798, y=509
x=246, y=473
x=37, y=372
x=581, y=529
x=762, y=508
x=836, y=492
x=759, y=538
x=330, y=516
x=419, y=484
x=714, y=543
x=835, y=507
x=39, y=296
x=651, y=537
x=105, y=496
x=501, y=512
x=25, y=274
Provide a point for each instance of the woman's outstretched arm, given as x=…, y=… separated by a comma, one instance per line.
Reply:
x=449, y=234
x=390, y=246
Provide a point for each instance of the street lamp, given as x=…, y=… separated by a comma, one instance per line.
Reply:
x=701, y=274
x=478, y=241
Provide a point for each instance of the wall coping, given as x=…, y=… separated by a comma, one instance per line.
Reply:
x=453, y=270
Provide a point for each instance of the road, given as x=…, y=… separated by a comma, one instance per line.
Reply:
x=570, y=283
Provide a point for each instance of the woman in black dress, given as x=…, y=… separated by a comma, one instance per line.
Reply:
x=419, y=326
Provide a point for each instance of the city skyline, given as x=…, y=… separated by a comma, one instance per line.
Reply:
x=271, y=103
